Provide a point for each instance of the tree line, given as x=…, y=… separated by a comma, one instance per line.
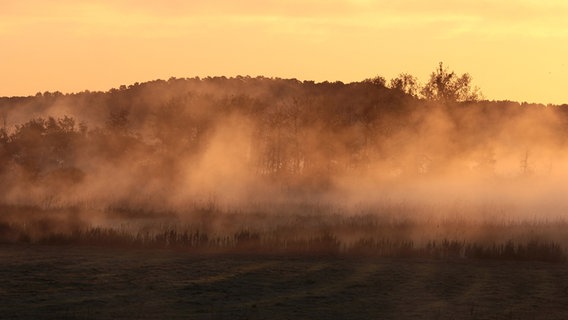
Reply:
x=299, y=133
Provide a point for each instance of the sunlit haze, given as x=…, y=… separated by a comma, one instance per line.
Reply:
x=514, y=50
x=290, y=159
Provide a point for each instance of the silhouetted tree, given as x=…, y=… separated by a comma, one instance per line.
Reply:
x=379, y=81
x=406, y=83
x=42, y=145
x=446, y=86
x=526, y=169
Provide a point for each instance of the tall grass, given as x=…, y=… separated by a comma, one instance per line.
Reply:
x=294, y=229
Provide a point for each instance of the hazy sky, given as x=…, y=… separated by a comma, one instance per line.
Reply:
x=514, y=49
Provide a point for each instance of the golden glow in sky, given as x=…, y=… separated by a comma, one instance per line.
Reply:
x=514, y=49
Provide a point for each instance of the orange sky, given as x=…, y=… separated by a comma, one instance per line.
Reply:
x=514, y=49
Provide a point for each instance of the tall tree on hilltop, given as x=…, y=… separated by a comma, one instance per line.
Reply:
x=446, y=86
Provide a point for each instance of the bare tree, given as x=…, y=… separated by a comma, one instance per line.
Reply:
x=526, y=169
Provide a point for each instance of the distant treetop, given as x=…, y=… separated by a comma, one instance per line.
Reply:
x=446, y=86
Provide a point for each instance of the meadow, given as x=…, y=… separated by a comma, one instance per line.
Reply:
x=262, y=198
x=93, y=282
x=302, y=229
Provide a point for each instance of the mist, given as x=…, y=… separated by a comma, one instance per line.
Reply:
x=225, y=155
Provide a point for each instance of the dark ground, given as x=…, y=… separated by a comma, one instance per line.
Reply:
x=62, y=282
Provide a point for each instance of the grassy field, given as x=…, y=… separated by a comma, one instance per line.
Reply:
x=81, y=282
x=303, y=262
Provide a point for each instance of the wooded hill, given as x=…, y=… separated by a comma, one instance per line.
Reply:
x=154, y=137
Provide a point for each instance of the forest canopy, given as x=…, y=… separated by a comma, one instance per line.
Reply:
x=185, y=139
